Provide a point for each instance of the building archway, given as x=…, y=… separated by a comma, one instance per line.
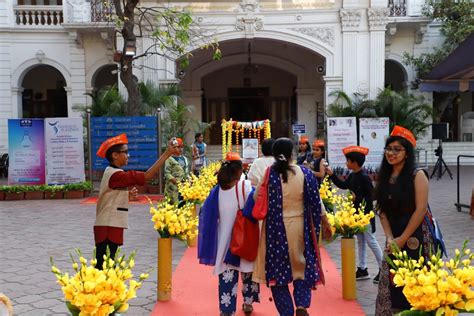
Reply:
x=395, y=76
x=105, y=76
x=257, y=79
x=44, y=93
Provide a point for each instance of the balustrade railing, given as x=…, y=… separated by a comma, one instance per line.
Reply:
x=39, y=15
x=397, y=7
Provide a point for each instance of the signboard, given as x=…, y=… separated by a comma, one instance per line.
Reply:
x=342, y=132
x=142, y=134
x=250, y=148
x=26, y=151
x=64, y=150
x=299, y=128
x=373, y=133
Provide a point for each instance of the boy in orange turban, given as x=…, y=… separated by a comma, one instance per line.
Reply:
x=112, y=205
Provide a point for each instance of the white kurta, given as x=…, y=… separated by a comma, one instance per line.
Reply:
x=228, y=207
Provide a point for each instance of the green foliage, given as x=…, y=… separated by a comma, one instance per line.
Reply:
x=154, y=97
x=457, y=23
x=403, y=109
x=81, y=186
x=105, y=102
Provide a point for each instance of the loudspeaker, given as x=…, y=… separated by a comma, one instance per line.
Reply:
x=440, y=131
x=320, y=69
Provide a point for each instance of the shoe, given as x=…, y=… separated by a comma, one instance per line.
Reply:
x=226, y=314
x=247, y=309
x=301, y=312
x=362, y=274
x=376, y=279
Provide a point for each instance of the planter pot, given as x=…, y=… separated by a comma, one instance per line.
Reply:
x=87, y=193
x=2, y=196
x=349, y=290
x=142, y=189
x=34, y=195
x=165, y=254
x=74, y=194
x=10, y=196
x=193, y=242
x=54, y=196
x=153, y=189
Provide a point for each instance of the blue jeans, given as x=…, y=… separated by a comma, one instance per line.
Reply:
x=228, y=290
x=368, y=238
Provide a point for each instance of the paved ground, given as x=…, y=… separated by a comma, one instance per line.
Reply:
x=32, y=231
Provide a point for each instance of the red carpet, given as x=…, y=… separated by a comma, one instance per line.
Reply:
x=141, y=199
x=195, y=293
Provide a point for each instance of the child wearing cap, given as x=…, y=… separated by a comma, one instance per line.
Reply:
x=359, y=183
x=176, y=170
x=112, y=204
x=216, y=221
x=317, y=164
x=304, y=151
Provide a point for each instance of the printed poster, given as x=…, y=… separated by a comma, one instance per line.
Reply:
x=250, y=148
x=26, y=151
x=342, y=132
x=64, y=150
x=373, y=133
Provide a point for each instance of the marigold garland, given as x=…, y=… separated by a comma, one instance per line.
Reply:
x=254, y=131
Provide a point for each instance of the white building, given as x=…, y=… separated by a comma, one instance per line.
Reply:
x=281, y=58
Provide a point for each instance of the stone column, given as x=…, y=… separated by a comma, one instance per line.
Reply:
x=306, y=110
x=331, y=84
x=76, y=88
x=350, y=21
x=378, y=19
x=193, y=97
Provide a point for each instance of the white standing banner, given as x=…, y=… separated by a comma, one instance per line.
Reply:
x=342, y=132
x=373, y=133
x=250, y=148
x=64, y=150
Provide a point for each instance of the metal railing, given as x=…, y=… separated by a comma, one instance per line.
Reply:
x=102, y=11
x=397, y=7
x=458, y=204
x=38, y=15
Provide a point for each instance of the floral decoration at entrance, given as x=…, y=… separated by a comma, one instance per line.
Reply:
x=240, y=130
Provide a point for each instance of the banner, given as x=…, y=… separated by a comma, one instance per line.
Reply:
x=64, y=150
x=142, y=134
x=373, y=133
x=250, y=148
x=26, y=151
x=342, y=132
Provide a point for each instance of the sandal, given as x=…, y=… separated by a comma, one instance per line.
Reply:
x=301, y=312
x=247, y=309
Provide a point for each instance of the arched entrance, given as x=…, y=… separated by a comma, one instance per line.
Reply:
x=257, y=79
x=395, y=76
x=43, y=93
x=105, y=76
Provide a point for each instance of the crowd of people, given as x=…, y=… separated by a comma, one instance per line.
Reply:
x=288, y=249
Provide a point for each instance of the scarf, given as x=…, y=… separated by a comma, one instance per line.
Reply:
x=277, y=265
x=208, y=221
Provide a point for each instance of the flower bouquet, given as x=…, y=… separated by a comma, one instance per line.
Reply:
x=436, y=287
x=348, y=221
x=94, y=292
x=172, y=220
x=327, y=194
x=196, y=189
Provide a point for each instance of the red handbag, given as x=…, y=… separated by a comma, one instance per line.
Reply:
x=245, y=233
x=260, y=208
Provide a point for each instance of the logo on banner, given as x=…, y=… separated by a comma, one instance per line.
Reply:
x=55, y=128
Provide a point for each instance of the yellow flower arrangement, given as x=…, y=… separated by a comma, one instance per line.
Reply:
x=347, y=220
x=327, y=194
x=196, y=189
x=172, y=220
x=94, y=292
x=436, y=287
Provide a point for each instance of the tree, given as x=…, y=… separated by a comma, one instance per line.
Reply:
x=457, y=22
x=172, y=30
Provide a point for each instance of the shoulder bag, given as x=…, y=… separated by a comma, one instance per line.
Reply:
x=260, y=208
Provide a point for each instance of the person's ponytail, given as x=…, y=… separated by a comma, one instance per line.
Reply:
x=282, y=150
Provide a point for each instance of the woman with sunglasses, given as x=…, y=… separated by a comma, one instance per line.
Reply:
x=402, y=201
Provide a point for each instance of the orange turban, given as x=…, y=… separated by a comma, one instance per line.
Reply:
x=304, y=139
x=232, y=156
x=180, y=142
x=116, y=140
x=356, y=149
x=318, y=143
x=404, y=133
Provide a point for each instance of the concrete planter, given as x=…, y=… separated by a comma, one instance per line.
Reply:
x=54, y=196
x=11, y=196
x=153, y=189
x=74, y=194
x=34, y=195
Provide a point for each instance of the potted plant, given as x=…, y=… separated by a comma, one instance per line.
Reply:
x=54, y=192
x=74, y=190
x=14, y=192
x=153, y=186
x=34, y=192
x=2, y=193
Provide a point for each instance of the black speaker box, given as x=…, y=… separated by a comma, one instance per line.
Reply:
x=440, y=131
